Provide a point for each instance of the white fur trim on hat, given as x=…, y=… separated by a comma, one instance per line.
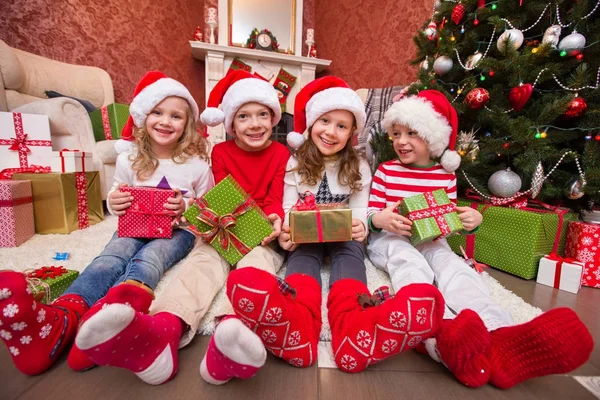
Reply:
x=420, y=115
x=212, y=116
x=156, y=92
x=450, y=160
x=250, y=90
x=336, y=98
x=295, y=139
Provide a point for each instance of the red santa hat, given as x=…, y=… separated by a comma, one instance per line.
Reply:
x=153, y=88
x=237, y=88
x=319, y=97
x=434, y=119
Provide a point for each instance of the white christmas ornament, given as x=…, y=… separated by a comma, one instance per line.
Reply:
x=551, y=36
x=442, y=65
x=472, y=60
x=515, y=36
x=431, y=31
x=504, y=183
x=424, y=65
x=572, y=43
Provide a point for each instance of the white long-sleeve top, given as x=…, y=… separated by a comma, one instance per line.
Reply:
x=193, y=178
x=327, y=189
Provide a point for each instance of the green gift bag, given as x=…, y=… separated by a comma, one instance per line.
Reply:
x=514, y=240
x=108, y=122
x=433, y=215
x=229, y=220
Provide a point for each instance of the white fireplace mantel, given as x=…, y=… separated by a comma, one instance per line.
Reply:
x=218, y=58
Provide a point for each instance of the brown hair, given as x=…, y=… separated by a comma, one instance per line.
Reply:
x=311, y=164
x=189, y=144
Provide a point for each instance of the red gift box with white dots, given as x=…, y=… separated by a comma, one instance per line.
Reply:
x=147, y=216
x=583, y=244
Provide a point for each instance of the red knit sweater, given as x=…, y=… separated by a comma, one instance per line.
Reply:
x=259, y=173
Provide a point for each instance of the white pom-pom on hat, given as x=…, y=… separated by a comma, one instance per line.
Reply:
x=295, y=139
x=212, y=116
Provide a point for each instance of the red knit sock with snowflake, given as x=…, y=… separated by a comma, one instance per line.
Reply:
x=119, y=336
x=463, y=343
x=285, y=314
x=367, y=329
x=34, y=333
x=556, y=342
x=135, y=296
x=234, y=351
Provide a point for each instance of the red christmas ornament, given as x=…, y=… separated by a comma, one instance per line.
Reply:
x=458, y=13
x=480, y=3
x=477, y=98
x=519, y=95
x=576, y=107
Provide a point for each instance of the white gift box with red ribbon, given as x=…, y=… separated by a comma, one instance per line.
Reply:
x=71, y=161
x=24, y=140
x=560, y=273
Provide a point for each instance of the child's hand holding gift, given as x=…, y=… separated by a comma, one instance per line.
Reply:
x=120, y=201
x=470, y=217
x=389, y=220
x=285, y=239
x=275, y=221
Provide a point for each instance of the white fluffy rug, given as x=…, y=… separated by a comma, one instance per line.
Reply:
x=84, y=245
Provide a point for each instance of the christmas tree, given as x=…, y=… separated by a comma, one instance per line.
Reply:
x=523, y=76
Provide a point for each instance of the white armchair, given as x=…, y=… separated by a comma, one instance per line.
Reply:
x=24, y=78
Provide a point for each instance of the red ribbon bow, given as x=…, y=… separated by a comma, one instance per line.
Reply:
x=19, y=144
x=221, y=225
x=141, y=209
x=308, y=203
x=48, y=272
x=7, y=173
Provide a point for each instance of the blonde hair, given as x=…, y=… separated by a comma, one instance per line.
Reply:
x=311, y=164
x=189, y=144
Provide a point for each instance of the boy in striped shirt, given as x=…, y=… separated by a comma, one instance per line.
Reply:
x=478, y=339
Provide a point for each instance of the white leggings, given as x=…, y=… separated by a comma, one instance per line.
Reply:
x=434, y=262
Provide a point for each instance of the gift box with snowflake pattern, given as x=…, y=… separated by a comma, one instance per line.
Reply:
x=583, y=244
x=514, y=240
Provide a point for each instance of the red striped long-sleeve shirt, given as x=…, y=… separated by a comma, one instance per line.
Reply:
x=394, y=181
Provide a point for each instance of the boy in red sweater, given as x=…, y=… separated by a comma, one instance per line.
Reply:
x=250, y=109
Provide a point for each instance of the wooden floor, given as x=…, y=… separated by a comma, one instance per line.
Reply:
x=407, y=376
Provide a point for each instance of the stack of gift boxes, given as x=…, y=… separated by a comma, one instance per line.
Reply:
x=548, y=244
x=42, y=190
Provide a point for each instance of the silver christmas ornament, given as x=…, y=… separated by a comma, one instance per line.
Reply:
x=572, y=43
x=442, y=65
x=515, y=36
x=574, y=188
x=552, y=36
x=472, y=60
x=437, y=4
x=504, y=183
x=537, y=181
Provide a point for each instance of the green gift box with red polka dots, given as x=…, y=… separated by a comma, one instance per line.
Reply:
x=48, y=283
x=514, y=240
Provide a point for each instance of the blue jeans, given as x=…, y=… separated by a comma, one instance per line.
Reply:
x=143, y=260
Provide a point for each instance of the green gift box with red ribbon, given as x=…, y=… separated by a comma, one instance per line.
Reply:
x=228, y=219
x=515, y=239
x=48, y=283
x=108, y=121
x=433, y=215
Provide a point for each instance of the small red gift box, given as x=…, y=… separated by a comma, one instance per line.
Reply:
x=16, y=213
x=147, y=216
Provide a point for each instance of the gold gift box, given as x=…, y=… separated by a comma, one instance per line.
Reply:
x=336, y=224
x=55, y=201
